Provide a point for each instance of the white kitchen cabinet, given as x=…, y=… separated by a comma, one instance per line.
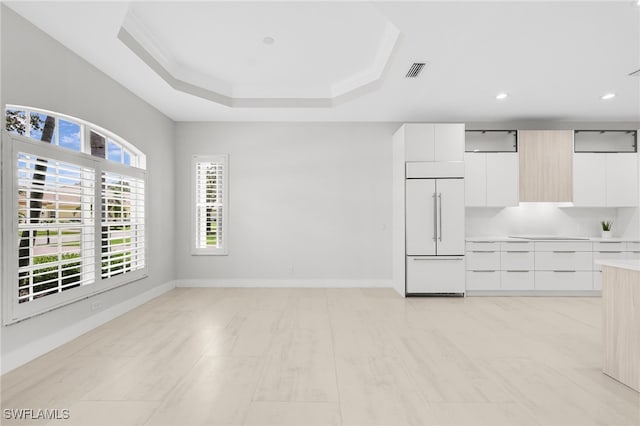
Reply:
x=511, y=246
x=434, y=142
x=483, y=280
x=517, y=280
x=622, y=180
x=483, y=261
x=613, y=246
x=517, y=260
x=441, y=274
x=542, y=265
x=502, y=179
x=563, y=261
x=449, y=141
x=589, y=180
x=605, y=180
x=563, y=246
x=485, y=246
x=419, y=142
x=475, y=170
x=563, y=280
x=607, y=255
x=633, y=246
x=491, y=179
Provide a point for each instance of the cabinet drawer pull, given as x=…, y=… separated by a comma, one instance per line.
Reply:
x=517, y=270
x=516, y=251
x=564, y=251
x=609, y=252
x=565, y=271
x=488, y=270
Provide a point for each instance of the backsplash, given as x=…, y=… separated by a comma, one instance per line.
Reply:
x=550, y=219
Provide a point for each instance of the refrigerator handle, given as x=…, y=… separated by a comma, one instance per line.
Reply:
x=435, y=218
x=440, y=214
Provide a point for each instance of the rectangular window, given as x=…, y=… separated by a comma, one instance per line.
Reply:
x=210, y=196
x=55, y=226
x=122, y=226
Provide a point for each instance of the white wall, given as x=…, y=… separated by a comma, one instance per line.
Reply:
x=315, y=197
x=37, y=71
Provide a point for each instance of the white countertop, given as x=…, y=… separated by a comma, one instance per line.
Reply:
x=506, y=238
x=631, y=264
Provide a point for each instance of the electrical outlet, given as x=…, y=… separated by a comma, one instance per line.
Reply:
x=291, y=269
x=96, y=305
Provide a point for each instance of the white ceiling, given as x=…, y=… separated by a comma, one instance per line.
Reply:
x=554, y=59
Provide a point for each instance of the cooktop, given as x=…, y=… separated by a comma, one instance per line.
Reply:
x=546, y=237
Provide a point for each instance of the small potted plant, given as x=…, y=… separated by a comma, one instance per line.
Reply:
x=606, y=228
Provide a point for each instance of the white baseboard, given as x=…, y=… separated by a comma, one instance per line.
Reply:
x=535, y=293
x=287, y=283
x=39, y=347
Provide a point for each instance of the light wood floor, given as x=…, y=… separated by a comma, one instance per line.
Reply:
x=325, y=356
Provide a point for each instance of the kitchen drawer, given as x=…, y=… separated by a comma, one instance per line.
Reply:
x=597, y=280
x=483, y=280
x=516, y=260
x=563, y=261
x=517, y=246
x=441, y=274
x=633, y=246
x=517, y=280
x=635, y=255
x=609, y=246
x=597, y=255
x=564, y=246
x=483, y=246
x=483, y=260
x=575, y=280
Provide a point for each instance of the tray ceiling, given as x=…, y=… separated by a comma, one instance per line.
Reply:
x=346, y=61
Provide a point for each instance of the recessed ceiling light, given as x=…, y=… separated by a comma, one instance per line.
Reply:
x=501, y=96
x=608, y=96
x=268, y=40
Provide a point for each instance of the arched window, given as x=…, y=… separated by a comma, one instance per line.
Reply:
x=77, y=197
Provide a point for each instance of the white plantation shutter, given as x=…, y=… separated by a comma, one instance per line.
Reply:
x=55, y=226
x=73, y=221
x=122, y=226
x=210, y=194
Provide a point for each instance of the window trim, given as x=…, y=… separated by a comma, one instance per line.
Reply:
x=210, y=251
x=12, y=144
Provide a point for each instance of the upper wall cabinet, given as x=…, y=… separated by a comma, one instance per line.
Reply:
x=434, y=142
x=546, y=165
x=605, y=180
x=491, y=179
x=605, y=168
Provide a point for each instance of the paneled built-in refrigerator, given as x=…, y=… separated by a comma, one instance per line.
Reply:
x=434, y=215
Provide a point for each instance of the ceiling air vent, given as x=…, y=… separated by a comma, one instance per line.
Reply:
x=636, y=73
x=415, y=69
